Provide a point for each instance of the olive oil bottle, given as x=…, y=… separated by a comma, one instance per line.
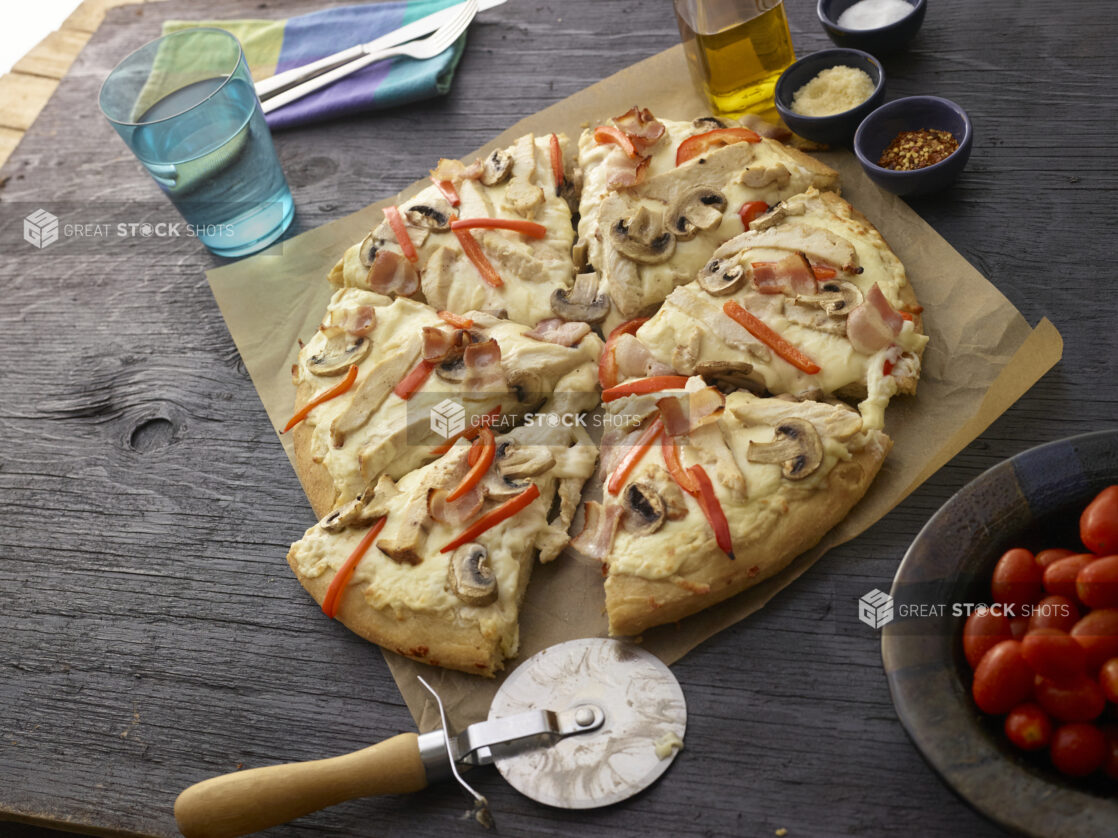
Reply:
x=736, y=50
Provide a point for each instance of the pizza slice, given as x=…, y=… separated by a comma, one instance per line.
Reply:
x=434, y=566
x=493, y=236
x=384, y=384
x=810, y=301
x=659, y=196
x=711, y=494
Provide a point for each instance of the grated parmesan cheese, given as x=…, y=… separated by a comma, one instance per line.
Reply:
x=833, y=90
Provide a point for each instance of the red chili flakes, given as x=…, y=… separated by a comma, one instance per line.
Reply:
x=917, y=149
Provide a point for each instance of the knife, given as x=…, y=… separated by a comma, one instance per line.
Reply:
x=416, y=29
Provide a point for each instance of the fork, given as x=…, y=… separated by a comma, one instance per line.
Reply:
x=428, y=47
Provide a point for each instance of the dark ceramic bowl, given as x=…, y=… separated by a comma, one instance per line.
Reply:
x=837, y=129
x=1032, y=500
x=885, y=39
x=911, y=114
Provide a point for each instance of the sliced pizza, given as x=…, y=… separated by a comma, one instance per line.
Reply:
x=434, y=566
x=659, y=196
x=810, y=301
x=711, y=494
x=384, y=384
x=493, y=236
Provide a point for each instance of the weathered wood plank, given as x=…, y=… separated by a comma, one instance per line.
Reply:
x=9, y=139
x=89, y=15
x=53, y=55
x=23, y=97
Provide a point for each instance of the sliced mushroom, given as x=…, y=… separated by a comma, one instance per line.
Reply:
x=721, y=276
x=582, y=302
x=497, y=168
x=405, y=532
x=699, y=209
x=728, y=375
x=527, y=385
x=369, y=247
x=836, y=298
x=424, y=215
x=469, y=575
x=344, y=516
x=642, y=237
x=758, y=177
x=515, y=461
x=338, y=354
x=796, y=448
x=708, y=123
x=644, y=509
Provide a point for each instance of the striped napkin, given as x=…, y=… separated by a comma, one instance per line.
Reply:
x=272, y=46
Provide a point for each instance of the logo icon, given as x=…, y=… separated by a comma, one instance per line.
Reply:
x=448, y=418
x=40, y=229
x=875, y=609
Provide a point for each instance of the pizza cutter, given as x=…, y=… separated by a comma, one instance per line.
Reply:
x=581, y=724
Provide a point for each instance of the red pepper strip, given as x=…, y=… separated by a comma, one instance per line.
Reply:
x=475, y=254
x=332, y=393
x=609, y=134
x=556, y=160
x=470, y=433
x=517, y=225
x=448, y=190
x=634, y=455
x=887, y=367
x=906, y=315
x=341, y=578
x=607, y=364
x=823, y=272
x=493, y=517
x=396, y=222
x=771, y=339
x=640, y=386
x=696, y=145
x=708, y=500
x=455, y=320
x=682, y=478
x=486, y=446
x=751, y=210
x=414, y=379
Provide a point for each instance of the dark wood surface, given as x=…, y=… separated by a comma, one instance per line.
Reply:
x=150, y=632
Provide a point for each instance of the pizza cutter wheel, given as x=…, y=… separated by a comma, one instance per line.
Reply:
x=582, y=724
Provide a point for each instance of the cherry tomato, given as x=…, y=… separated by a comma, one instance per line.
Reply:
x=1028, y=727
x=1098, y=525
x=1017, y=579
x=1097, y=583
x=1059, y=577
x=1097, y=633
x=1054, y=653
x=1003, y=679
x=1110, y=764
x=1046, y=557
x=1108, y=680
x=1078, y=749
x=985, y=629
x=1075, y=699
x=1054, y=611
x=1019, y=627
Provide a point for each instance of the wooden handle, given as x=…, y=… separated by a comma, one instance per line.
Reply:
x=248, y=801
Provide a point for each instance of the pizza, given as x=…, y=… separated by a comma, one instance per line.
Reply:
x=711, y=494
x=698, y=287
x=659, y=196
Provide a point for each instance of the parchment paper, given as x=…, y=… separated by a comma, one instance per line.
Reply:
x=982, y=356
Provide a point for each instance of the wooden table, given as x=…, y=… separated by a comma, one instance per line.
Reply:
x=150, y=633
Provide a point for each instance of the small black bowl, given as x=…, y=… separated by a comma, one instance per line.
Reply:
x=885, y=39
x=912, y=114
x=837, y=129
x=1032, y=500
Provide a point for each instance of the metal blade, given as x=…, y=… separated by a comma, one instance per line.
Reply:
x=643, y=707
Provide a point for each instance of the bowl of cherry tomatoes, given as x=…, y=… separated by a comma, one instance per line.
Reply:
x=1002, y=658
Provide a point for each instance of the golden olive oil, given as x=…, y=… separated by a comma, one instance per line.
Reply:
x=735, y=63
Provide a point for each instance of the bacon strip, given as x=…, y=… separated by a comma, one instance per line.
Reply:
x=872, y=325
x=392, y=275
x=558, y=331
x=792, y=275
x=483, y=367
x=598, y=529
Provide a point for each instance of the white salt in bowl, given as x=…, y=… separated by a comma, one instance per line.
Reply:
x=892, y=37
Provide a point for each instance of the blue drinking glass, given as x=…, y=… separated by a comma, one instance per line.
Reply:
x=186, y=107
